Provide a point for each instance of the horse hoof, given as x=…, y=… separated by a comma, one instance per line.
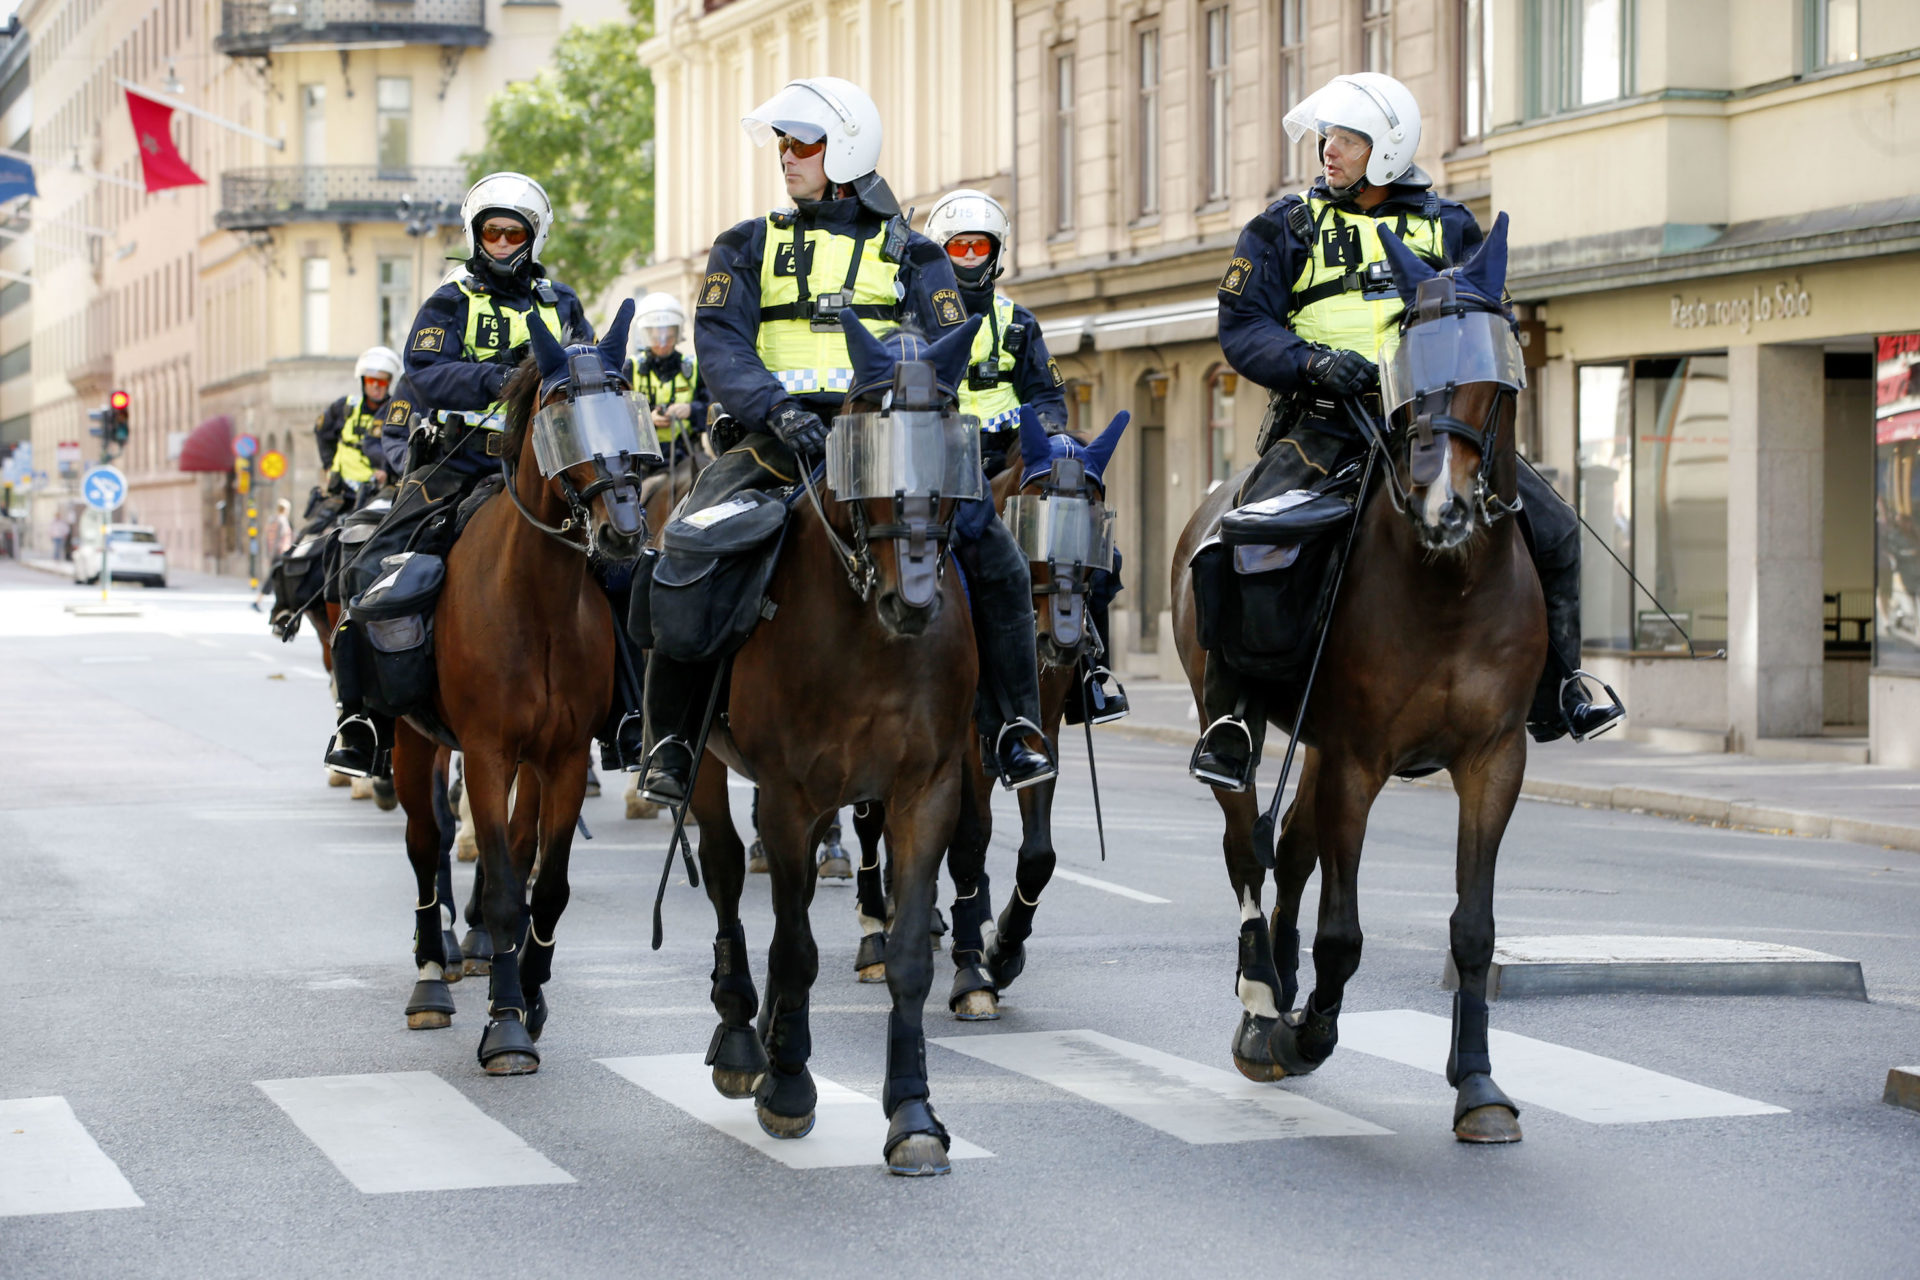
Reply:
x=1488, y=1126
x=338, y=779
x=757, y=859
x=872, y=973
x=507, y=1050
x=456, y=963
x=977, y=1006
x=478, y=967
x=1253, y=1049
x=430, y=1006
x=736, y=1084
x=919, y=1155
x=593, y=788
x=429, y=1020
x=466, y=850
x=362, y=789
x=511, y=1064
x=870, y=962
x=638, y=806
x=838, y=868
x=536, y=1014
x=778, y=1126
x=384, y=795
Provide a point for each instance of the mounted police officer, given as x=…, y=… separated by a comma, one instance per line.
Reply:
x=1305, y=306
x=669, y=380
x=445, y=416
x=1012, y=367
x=768, y=333
x=348, y=431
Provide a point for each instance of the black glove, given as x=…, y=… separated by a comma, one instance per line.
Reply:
x=1345, y=373
x=799, y=430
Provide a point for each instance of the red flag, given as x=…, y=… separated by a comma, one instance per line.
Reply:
x=161, y=163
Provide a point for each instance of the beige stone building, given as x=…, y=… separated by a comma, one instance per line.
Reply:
x=16, y=269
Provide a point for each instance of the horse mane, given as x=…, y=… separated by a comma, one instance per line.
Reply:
x=520, y=393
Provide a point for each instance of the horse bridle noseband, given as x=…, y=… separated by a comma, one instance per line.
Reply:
x=579, y=516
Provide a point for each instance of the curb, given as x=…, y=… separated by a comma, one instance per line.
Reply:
x=57, y=568
x=1744, y=815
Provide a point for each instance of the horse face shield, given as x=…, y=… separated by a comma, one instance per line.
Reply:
x=1067, y=535
x=604, y=426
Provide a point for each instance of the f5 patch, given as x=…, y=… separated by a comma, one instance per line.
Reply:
x=430, y=339
x=1235, y=281
x=946, y=307
x=714, y=292
x=1053, y=367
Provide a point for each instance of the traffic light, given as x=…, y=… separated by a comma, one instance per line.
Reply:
x=117, y=417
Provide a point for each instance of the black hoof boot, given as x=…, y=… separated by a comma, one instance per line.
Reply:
x=665, y=781
x=384, y=795
x=1482, y=1114
x=476, y=950
x=784, y=1102
x=1253, y=1049
x=455, y=967
x=870, y=962
x=972, y=998
x=1005, y=961
x=430, y=1007
x=1303, y=1039
x=917, y=1142
x=536, y=1013
x=738, y=1059
x=507, y=1050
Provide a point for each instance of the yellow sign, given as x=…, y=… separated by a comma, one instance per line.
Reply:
x=273, y=464
x=243, y=481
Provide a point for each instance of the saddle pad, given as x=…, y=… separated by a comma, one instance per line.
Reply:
x=1284, y=519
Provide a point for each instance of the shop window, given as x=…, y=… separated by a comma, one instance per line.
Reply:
x=1220, y=388
x=1896, y=466
x=1832, y=32
x=1579, y=52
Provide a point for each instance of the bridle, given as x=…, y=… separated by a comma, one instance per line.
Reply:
x=913, y=524
x=1066, y=478
x=584, y=374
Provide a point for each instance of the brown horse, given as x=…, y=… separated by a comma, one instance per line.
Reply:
x=524, y=647
x=844, y=696
x=1435, y=643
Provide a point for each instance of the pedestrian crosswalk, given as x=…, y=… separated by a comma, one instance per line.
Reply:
x=414, y=1131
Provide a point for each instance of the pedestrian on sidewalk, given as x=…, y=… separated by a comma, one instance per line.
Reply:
x=279, y=542
x=57, y=537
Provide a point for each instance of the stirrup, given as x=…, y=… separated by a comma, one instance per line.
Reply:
x=1221, y=780
x=1618, y=707
x=335, y=744
x=1046, y=748
x=622, y=758
x=646, y=791
x=1096, y=675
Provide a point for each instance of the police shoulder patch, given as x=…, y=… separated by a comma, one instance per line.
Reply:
x=1235, y=281
x=946, y=307
x=399, y=413
x=714, y=292
x=1053, y=367
x=430, y=339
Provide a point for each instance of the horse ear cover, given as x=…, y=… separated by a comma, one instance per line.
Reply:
x=1408, y=270
x=872, y=363
x=1036, y=448
x=1486, y=273
x=1097, y=455
x=547, y=351
x=613, y=347
x=949, y=354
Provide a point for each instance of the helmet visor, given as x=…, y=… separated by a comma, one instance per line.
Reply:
x=1052, y=529
x=800, y=111
x=1450, y=351
x=609, y=426
x=912, y=453
x=1341, y=103
x=658, y=335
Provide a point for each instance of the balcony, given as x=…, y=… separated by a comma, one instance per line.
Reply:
x=257, y=199
x=256, y=28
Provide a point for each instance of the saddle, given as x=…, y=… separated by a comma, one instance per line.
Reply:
x=703, y=592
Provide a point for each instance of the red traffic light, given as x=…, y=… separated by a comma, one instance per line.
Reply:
x=118, y=401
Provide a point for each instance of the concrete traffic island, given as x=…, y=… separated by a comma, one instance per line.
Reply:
x=1599, y=964
x=1903, y=1088
x=105, y=609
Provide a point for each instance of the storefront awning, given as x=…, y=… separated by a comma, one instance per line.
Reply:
x=209, y=446
x=1155, y=326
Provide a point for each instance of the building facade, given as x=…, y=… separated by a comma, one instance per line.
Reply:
x=16, y=269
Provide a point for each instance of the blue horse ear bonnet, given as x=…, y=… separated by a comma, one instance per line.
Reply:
x=555, y=361
x=1038, y=449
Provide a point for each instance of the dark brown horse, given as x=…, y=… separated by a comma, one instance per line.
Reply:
x=1437, y=639
x=846, y=695
x=524, y=648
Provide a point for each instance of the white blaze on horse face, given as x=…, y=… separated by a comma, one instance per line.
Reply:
x=1440, y=492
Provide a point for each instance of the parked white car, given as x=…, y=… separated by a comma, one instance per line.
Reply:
x=136, y=553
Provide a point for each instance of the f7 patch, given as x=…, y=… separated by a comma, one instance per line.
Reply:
x=783, y=257
x=714, y=292
x=430, y=339
x=946, y=307
x=1235, y=281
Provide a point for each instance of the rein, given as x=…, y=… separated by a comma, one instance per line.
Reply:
x=576, y=517
x=855, y=561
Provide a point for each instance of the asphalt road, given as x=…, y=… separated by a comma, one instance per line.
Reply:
x=199, y=936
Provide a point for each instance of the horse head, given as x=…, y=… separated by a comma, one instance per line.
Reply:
x=1054, y=502
x=901, y=460
x=1448, y=389
x=571, y=413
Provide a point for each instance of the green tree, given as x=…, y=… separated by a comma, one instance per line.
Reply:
x=583, y=129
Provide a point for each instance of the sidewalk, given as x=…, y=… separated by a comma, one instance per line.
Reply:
x=1866, y=804
x=177, y=578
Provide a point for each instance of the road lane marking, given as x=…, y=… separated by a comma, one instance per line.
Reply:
x=849, y=1131
x=1196, y=1104
x=1061, y=873
x=115, y=659
x=408, y=1131
x=1574, y=1083
x=49, y=1163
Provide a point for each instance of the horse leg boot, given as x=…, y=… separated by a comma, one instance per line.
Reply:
x=444, y=821
x=916, y=1143
x=430, y=1005
x=1561, y=703
x=735, y=1055
x=506, y=1048
x=1481, y=1112
x=1001, y=586
x=1007, y=957
x=870, y=894
x=562, y=788
x=785, y=1100
x=972, y=998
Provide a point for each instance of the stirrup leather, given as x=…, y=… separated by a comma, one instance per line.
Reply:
x=1577, y=679
x=1093, y=676
x=1200, y=747
x=1046, y=748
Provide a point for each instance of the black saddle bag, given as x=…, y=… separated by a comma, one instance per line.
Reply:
x=709, y=586
x=395, y=619
x=341, y=550
x=299, y=574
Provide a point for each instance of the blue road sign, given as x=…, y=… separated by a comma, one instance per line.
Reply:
x=245, y=446
x=104, y=488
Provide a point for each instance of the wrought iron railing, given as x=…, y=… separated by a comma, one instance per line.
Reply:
x=260, y=26
x=253, y=199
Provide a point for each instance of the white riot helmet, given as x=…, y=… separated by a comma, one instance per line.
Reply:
x=378, y=362
x=513, y=193
x=965, y=212
x=1376, y=106
x=823, y=109
x=660, y=314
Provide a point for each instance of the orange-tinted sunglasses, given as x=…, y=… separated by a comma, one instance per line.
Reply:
x=969, y=246
x=511, y=235
x=801, y=150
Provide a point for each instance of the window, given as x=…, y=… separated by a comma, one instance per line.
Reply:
x=316, y=317
x=1220, y=388
x=15, y=295
x=396, y=301
x=1833, y=32
x=1147, y=122
x=1578, y=53
x=394, y=103
x=1063, y=141
x=16, y=362
x=313, y=124
x=1476, y=66
x=1376, y=36
x=1219, y=94
x=1295, y=157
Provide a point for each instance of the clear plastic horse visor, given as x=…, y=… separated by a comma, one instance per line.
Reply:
x=605, y=425
x=1057, y=530
x=1453, y=350
x=914, y=453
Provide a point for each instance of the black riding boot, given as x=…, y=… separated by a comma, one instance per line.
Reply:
x=676, y=697
x=622, y=735
x=1229, y=748
x=1561, y=703
x=1106, y=697
x=1009, y=706
x=358, y=747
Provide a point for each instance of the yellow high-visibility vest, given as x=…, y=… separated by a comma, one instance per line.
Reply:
x=349, y=463
x=1330, y=304
x=805, y=359
x=997, y=407
x=661, y=392
x=493, y=329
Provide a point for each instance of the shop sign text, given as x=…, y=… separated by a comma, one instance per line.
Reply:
x=1787, y=300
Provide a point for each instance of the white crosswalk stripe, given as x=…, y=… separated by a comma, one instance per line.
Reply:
x=1574, y=1083
x=408, y=1131
x=49, y=1163
x=849, y=1127
x=1194, y=1103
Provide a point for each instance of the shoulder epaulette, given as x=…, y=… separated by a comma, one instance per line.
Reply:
x=735, y=237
